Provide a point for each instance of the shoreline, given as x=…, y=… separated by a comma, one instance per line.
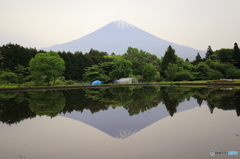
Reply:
x=119, y=85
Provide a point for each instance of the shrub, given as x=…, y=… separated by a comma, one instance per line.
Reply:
x=69, y=82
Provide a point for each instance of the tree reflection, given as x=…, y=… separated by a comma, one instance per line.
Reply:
x=48, y=102
x=17, y=106
x=14, y=107
x=143, y=99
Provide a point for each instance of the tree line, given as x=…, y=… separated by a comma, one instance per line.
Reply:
x=19, y=64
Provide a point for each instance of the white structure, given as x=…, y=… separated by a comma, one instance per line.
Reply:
x=127, y=80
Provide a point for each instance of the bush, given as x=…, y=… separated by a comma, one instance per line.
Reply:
x=9, y=76
x=184, y=75
x=233, y=73
x=69, y=82
x=213, y=75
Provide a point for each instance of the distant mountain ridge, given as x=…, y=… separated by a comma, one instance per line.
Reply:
x=117, y=36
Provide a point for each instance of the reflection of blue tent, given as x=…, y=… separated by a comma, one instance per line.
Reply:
x=96, y=82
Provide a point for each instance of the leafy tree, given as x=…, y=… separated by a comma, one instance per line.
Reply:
x=169, y=57
x=91, y=73
x=223, y=67
x=48, y=66
x=209, y=52
x=201, y=71
x=224, y=55
x=214, y=75
x=202, y=67
x=149, y=72
x=171, y=71
x=121, y=69
x=99, y=72
x=22, y=70
x=8, y=76
x=139, y=58
x=233, y=73
x=183, y=75
x=236, y=55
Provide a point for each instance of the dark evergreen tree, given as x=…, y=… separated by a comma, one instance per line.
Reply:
x=236, y=55
x=209, y=52
x=13, y=55
x=187, y=60
x=198, y=59
x=169, y=57
x=97, y=56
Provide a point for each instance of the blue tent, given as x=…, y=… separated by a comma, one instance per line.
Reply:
x=96, y=82
x=115, y=82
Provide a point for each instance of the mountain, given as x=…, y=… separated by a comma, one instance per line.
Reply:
x=117, y=122
x=117, y=36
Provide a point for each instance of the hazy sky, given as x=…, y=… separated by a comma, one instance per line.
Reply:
x=194, y=23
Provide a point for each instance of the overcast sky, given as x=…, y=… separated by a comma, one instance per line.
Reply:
x=194, y=23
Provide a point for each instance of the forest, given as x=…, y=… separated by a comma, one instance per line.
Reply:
x=21, y=65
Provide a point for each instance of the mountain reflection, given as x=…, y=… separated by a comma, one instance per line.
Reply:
x=18, y=106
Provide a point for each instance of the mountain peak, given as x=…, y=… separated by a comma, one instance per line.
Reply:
x=117, y=36
x=120, y=24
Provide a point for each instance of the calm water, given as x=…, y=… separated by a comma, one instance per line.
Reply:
x=125, y=122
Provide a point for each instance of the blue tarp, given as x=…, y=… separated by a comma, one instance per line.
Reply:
x=96, y=82
x=115, y=82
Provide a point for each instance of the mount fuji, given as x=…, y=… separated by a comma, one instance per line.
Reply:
x=117, y=36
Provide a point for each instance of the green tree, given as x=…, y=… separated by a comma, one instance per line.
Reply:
x=223, y=67
x=8, y=76
x=14, y=55
x=202, y=67
x=99, y=72
x=197, y=59
x=183, y=75
x=209, y=52
x=214, y=75
x=169, y=57
x=236, y=55
x=46, y=66
x=149, y=72
x=97, y=57
x=121, y=69
x=201, y=71
x=233, y=73
x=91, y=73
x=139, y=58
x=224, y=55
x=171, y=71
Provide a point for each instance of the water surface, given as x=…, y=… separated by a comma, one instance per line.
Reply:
x=146, y=122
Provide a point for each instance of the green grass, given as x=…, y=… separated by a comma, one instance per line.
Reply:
x=72, y=84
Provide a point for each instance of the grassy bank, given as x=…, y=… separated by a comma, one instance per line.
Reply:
x=31, y=86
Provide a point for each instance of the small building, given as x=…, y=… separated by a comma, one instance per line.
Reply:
x=97, y=82
x=127, y=80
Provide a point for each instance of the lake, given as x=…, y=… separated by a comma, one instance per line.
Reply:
x=124, y=122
